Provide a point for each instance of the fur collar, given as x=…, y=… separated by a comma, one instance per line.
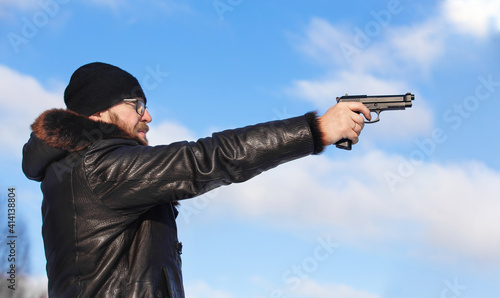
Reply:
x=72, y=132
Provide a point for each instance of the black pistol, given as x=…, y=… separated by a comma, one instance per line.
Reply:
x=377, y=104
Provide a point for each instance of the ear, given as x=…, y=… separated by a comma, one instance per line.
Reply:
x=96, y=117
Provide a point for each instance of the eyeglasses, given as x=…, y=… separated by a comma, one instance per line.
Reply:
x=140, y=106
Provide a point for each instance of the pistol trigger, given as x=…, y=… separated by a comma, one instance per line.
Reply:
x=378, y=117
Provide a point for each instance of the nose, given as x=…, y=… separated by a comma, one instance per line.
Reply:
x=146, y=117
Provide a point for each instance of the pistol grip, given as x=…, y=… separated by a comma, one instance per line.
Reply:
x=344, y=144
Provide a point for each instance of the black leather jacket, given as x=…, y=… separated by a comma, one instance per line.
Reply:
x=109, y=201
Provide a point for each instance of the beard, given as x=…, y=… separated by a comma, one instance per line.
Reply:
x=132, y=131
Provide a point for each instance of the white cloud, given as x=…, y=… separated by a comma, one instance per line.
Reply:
x=23, y=98
x=201, y=289
x=475, y=17
x=25, y=5
x=307, y=288
x=22, y=5
x=418, y=46
x=322, y=42
x=464, y=214
x=26, y=286
x=7, y=7
x=144, y=9
x=312, y=289
x=394, y=51
x=168, y=132
x=453, y=210
x=114, y=5
x=172, y=6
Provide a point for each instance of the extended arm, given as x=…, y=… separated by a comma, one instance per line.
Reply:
x=134, y=178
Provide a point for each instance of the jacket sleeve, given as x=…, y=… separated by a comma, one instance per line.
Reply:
x=133, y=178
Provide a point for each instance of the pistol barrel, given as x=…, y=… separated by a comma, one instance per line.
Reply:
x=405, y=100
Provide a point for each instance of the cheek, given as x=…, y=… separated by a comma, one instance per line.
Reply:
x=125, y=119
x=130, y=119
x=136, y=124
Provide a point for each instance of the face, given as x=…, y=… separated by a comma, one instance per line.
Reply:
x=124, y=115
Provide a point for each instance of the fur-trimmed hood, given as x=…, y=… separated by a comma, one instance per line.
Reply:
x=58, y=132
x=73, y=132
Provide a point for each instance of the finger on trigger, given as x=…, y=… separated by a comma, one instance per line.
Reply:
x=361, y=108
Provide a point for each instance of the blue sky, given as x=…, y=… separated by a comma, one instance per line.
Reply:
x=412, y=211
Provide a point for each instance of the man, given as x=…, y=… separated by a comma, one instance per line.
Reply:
x=109, y=199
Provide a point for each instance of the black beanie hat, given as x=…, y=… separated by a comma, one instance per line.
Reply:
x=97, y=86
